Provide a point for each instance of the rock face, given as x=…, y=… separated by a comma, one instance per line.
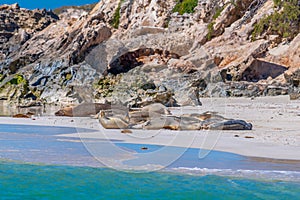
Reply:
x=18, y=25
x=140, y=52
x=50, y=59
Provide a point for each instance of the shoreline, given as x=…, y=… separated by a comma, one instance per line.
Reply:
x=275, y=135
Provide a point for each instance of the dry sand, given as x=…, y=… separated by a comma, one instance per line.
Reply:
x=275, y=134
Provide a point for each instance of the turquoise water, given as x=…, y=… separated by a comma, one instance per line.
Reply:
x=27, y=181
x=36, y=163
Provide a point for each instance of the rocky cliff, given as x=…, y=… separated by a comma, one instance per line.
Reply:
x=134, y=52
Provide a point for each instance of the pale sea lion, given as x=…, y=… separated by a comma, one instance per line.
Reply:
x=163, y=122
x=83, y=110
x=112, y=122
x=173, y=123
x=155, y=108
x=189, y=123
x=204, y=116
x=150, y=111
x=137, y=117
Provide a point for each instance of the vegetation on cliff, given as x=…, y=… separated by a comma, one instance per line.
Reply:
x=16, y=86
x=185, y=6
x=285, y=21
x=116, y=17
x=87, y=7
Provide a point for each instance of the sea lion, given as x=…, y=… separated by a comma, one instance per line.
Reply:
x=83, y=110
x=150, y=111
x=173, y=123
x=189, y=123
x=163, y=122
x=21, y=116
x=137, y=117
x=112, y=122
x=230, y=125
x=66, y=111
x=156, y=108
x=204, y=116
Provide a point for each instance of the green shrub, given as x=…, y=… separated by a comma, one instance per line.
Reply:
x=69, y=76
x=285, y=21
x=277, y=2
x=218, y=12
x=116, y=18
x=17, y=80
x=210, y=28
x=185, y=6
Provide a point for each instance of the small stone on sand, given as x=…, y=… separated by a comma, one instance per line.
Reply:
x=126, y=131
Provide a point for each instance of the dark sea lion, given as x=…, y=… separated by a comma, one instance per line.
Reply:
x=231, y=125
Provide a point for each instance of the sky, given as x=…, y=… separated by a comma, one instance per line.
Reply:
x=48, y=4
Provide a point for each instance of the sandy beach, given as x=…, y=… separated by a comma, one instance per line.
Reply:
x=275, y=134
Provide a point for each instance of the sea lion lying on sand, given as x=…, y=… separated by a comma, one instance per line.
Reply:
x=157, y=116
x=166, y=122
x=143, y=114
x=213, y=121
x=83, y=110
x=231, y=125
x=205, y=116
x=189, y=123
x=112, y=122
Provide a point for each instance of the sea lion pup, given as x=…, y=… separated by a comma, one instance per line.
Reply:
x=112, y=122
x=231, y=125
x=83, y=110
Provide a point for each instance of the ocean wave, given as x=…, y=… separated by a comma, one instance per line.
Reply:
x=293, y=176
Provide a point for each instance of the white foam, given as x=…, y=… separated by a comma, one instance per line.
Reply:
x=253, y=174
